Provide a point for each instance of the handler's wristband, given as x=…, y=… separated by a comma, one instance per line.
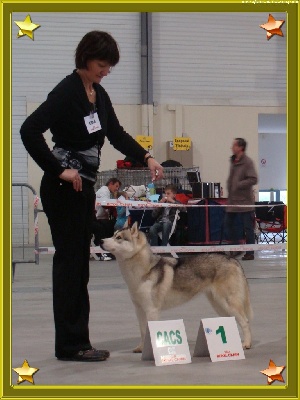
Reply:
x=147, y=158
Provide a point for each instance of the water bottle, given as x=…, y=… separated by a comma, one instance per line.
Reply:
x=151, y=188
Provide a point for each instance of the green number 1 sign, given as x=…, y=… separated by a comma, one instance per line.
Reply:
x=221, y=330
x=219, y=337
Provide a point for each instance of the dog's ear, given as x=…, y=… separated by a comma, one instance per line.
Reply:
x=126, y=224
x=134, y=229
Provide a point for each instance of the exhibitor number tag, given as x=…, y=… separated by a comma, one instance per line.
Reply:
x=92, y=123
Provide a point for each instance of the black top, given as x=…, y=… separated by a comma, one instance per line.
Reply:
x=63, y=113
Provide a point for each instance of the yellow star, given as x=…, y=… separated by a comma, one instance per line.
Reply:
x=273, y=27
x=25, y=372
x=273, y=372
x=26, y=27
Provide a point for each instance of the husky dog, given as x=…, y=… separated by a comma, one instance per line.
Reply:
x=156, y=283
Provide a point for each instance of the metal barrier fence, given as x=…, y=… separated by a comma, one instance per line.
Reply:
x=127, y=177
x=141, y=176
x=20, y=218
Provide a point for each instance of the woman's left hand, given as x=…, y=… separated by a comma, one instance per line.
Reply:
x=72, y=175
x=157, y=171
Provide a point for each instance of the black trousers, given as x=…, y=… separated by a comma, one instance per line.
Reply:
x=70, y=216
x=247, y=218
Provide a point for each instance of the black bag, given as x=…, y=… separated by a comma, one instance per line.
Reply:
x=72, y=159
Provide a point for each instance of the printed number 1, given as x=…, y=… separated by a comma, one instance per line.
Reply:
x=222, y=332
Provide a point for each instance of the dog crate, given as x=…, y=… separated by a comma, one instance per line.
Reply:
x=141, y=176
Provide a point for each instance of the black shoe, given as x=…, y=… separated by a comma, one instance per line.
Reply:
x=87, y=355
x=248, y=257
x=235, y=253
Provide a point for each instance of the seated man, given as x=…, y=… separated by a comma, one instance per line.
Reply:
x=103, y=226
x=164, y=217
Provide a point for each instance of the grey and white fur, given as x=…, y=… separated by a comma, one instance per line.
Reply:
x=156, y=283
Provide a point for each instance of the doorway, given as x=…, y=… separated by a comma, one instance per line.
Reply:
x=272, y=140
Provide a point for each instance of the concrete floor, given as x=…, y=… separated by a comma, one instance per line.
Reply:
x=113, y=326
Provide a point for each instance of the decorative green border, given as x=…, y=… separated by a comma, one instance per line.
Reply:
x=84, y=392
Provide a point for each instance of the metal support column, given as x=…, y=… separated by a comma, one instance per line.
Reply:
x=146, y=58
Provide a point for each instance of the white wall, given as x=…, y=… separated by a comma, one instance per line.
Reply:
x=218, y=59
x=38, y=65
x=212, y=130
x=218, y=78
x=130, y=116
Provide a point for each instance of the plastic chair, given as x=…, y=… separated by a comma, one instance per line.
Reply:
x=271, y=223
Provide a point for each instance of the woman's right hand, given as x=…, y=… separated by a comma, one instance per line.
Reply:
x=156, y=170
x=72, y=175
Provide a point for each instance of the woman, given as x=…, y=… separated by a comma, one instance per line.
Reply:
x=79, y=114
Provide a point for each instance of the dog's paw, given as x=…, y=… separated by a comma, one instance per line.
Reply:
x=246, y=346
x=138, y=349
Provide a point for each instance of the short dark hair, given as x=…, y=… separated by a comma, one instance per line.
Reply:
x=113, y=181
x=171, y=187
x=97, y=45
x=241, y=143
